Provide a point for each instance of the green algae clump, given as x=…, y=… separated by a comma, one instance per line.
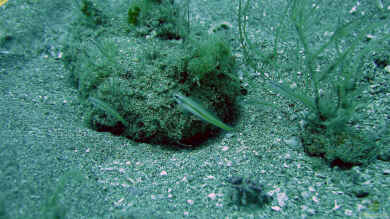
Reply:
x=127, y=81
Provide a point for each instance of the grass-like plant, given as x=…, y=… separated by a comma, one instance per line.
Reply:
x=330, y=71
x=200, y=111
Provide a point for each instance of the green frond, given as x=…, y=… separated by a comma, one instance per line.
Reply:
x=200, y=111
x=108, y=109
x=289, y=93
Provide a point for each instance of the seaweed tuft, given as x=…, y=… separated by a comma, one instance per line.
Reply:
x=328, y=79
x=127, y=82
x=157, y=18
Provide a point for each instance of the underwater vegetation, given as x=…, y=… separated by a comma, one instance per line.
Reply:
x=108, y=109
x=323, y=74
x=161, y=18
x=135, y=75
x=211, y=55
x=91, y=14
x=198, y=110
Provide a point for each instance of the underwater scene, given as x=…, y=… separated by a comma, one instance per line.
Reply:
x=194, y=109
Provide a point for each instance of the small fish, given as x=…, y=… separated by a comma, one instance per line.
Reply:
x=198, y=110
x=2, y=2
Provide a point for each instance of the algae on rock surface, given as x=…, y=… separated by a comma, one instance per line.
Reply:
x=161, y=18
x=133, y=78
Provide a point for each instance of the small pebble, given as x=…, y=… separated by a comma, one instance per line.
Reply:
x=293, y=141
x=387, y=68
x=212, y=196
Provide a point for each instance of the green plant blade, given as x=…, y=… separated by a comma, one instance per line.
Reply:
x=198, y=110
x=288, y=92
x=109, y=109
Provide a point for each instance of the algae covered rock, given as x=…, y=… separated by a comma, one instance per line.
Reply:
x=127, y=82
x=161, y=18
x=344, y=148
